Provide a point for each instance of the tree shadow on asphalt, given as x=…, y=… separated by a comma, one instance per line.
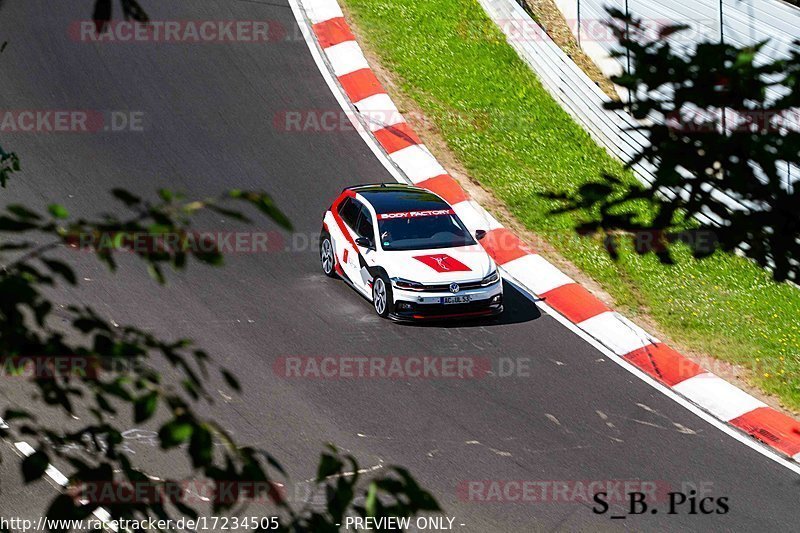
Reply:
x=519, y=308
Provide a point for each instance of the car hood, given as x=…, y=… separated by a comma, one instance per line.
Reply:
x=440, y=265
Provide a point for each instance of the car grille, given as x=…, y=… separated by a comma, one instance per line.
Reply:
x=445, y=287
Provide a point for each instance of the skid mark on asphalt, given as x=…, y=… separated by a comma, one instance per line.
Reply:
x=677, y=425
x=604, y=418
x=555, y=450
x=360, y=471
x=674, y=425
x=501, y=453
x=553, y=419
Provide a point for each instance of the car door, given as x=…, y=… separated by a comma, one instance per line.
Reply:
x=365, y=228
x=347, y=252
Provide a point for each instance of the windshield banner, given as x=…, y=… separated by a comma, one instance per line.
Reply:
x=415, y=214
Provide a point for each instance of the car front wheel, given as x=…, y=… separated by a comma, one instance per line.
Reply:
x=382, y=296
x=326, y=257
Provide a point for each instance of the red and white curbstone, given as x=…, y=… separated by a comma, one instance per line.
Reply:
x=380, y=116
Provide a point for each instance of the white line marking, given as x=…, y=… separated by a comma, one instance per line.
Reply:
x=59, y=478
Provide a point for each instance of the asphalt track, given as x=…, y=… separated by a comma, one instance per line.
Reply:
x=208, y=126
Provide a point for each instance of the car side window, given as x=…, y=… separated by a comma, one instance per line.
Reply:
x=365, y=227
x=349, y=211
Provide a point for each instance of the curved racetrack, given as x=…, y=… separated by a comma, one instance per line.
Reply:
x=208, y=126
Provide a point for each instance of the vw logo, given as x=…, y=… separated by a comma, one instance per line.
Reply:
x=454, y=288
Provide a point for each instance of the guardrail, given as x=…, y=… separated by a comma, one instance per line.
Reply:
x=737, y=22
x=581, y=97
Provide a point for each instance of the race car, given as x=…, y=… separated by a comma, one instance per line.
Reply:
x=405, y=250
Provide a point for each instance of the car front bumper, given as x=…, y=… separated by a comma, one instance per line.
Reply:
x=428, y=306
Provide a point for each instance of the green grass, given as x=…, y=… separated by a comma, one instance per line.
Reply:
x=514, y=139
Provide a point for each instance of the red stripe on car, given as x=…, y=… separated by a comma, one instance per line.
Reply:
x=443, y=263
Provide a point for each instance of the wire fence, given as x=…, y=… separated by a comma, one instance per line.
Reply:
x=577, y=94
x=737, y=22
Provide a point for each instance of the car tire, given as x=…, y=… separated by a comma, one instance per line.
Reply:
x=327, y=257
x=382, y=300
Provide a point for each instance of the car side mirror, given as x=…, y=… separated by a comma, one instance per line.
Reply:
x=480, y=234
x=364, y=242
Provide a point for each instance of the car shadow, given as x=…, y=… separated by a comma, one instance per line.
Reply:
x=519, y=307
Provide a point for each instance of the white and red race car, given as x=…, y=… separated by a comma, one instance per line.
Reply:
x=405, y=249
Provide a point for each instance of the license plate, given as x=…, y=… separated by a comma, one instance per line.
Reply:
x=455, y=299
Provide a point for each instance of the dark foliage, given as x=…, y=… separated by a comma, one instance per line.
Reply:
x=720, y=146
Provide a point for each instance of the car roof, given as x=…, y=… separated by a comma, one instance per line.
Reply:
x=396, y=198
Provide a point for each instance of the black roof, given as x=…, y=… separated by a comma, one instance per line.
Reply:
x=396, y=198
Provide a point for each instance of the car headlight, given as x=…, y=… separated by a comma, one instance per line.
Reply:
x=407, y=285
x=491, y=279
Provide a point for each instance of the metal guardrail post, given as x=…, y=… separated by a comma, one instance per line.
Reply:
x=722, y=41
x=628, y=51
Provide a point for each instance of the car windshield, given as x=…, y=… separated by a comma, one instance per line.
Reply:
x=422, y=230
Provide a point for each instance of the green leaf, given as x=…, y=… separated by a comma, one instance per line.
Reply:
x=266, y=205
x=34, y=466
x=175, y=433
x=201, y=446
x=328, y=466
x=371, y=502
x=58, y=211
x=156, y=273
x=144, y=407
